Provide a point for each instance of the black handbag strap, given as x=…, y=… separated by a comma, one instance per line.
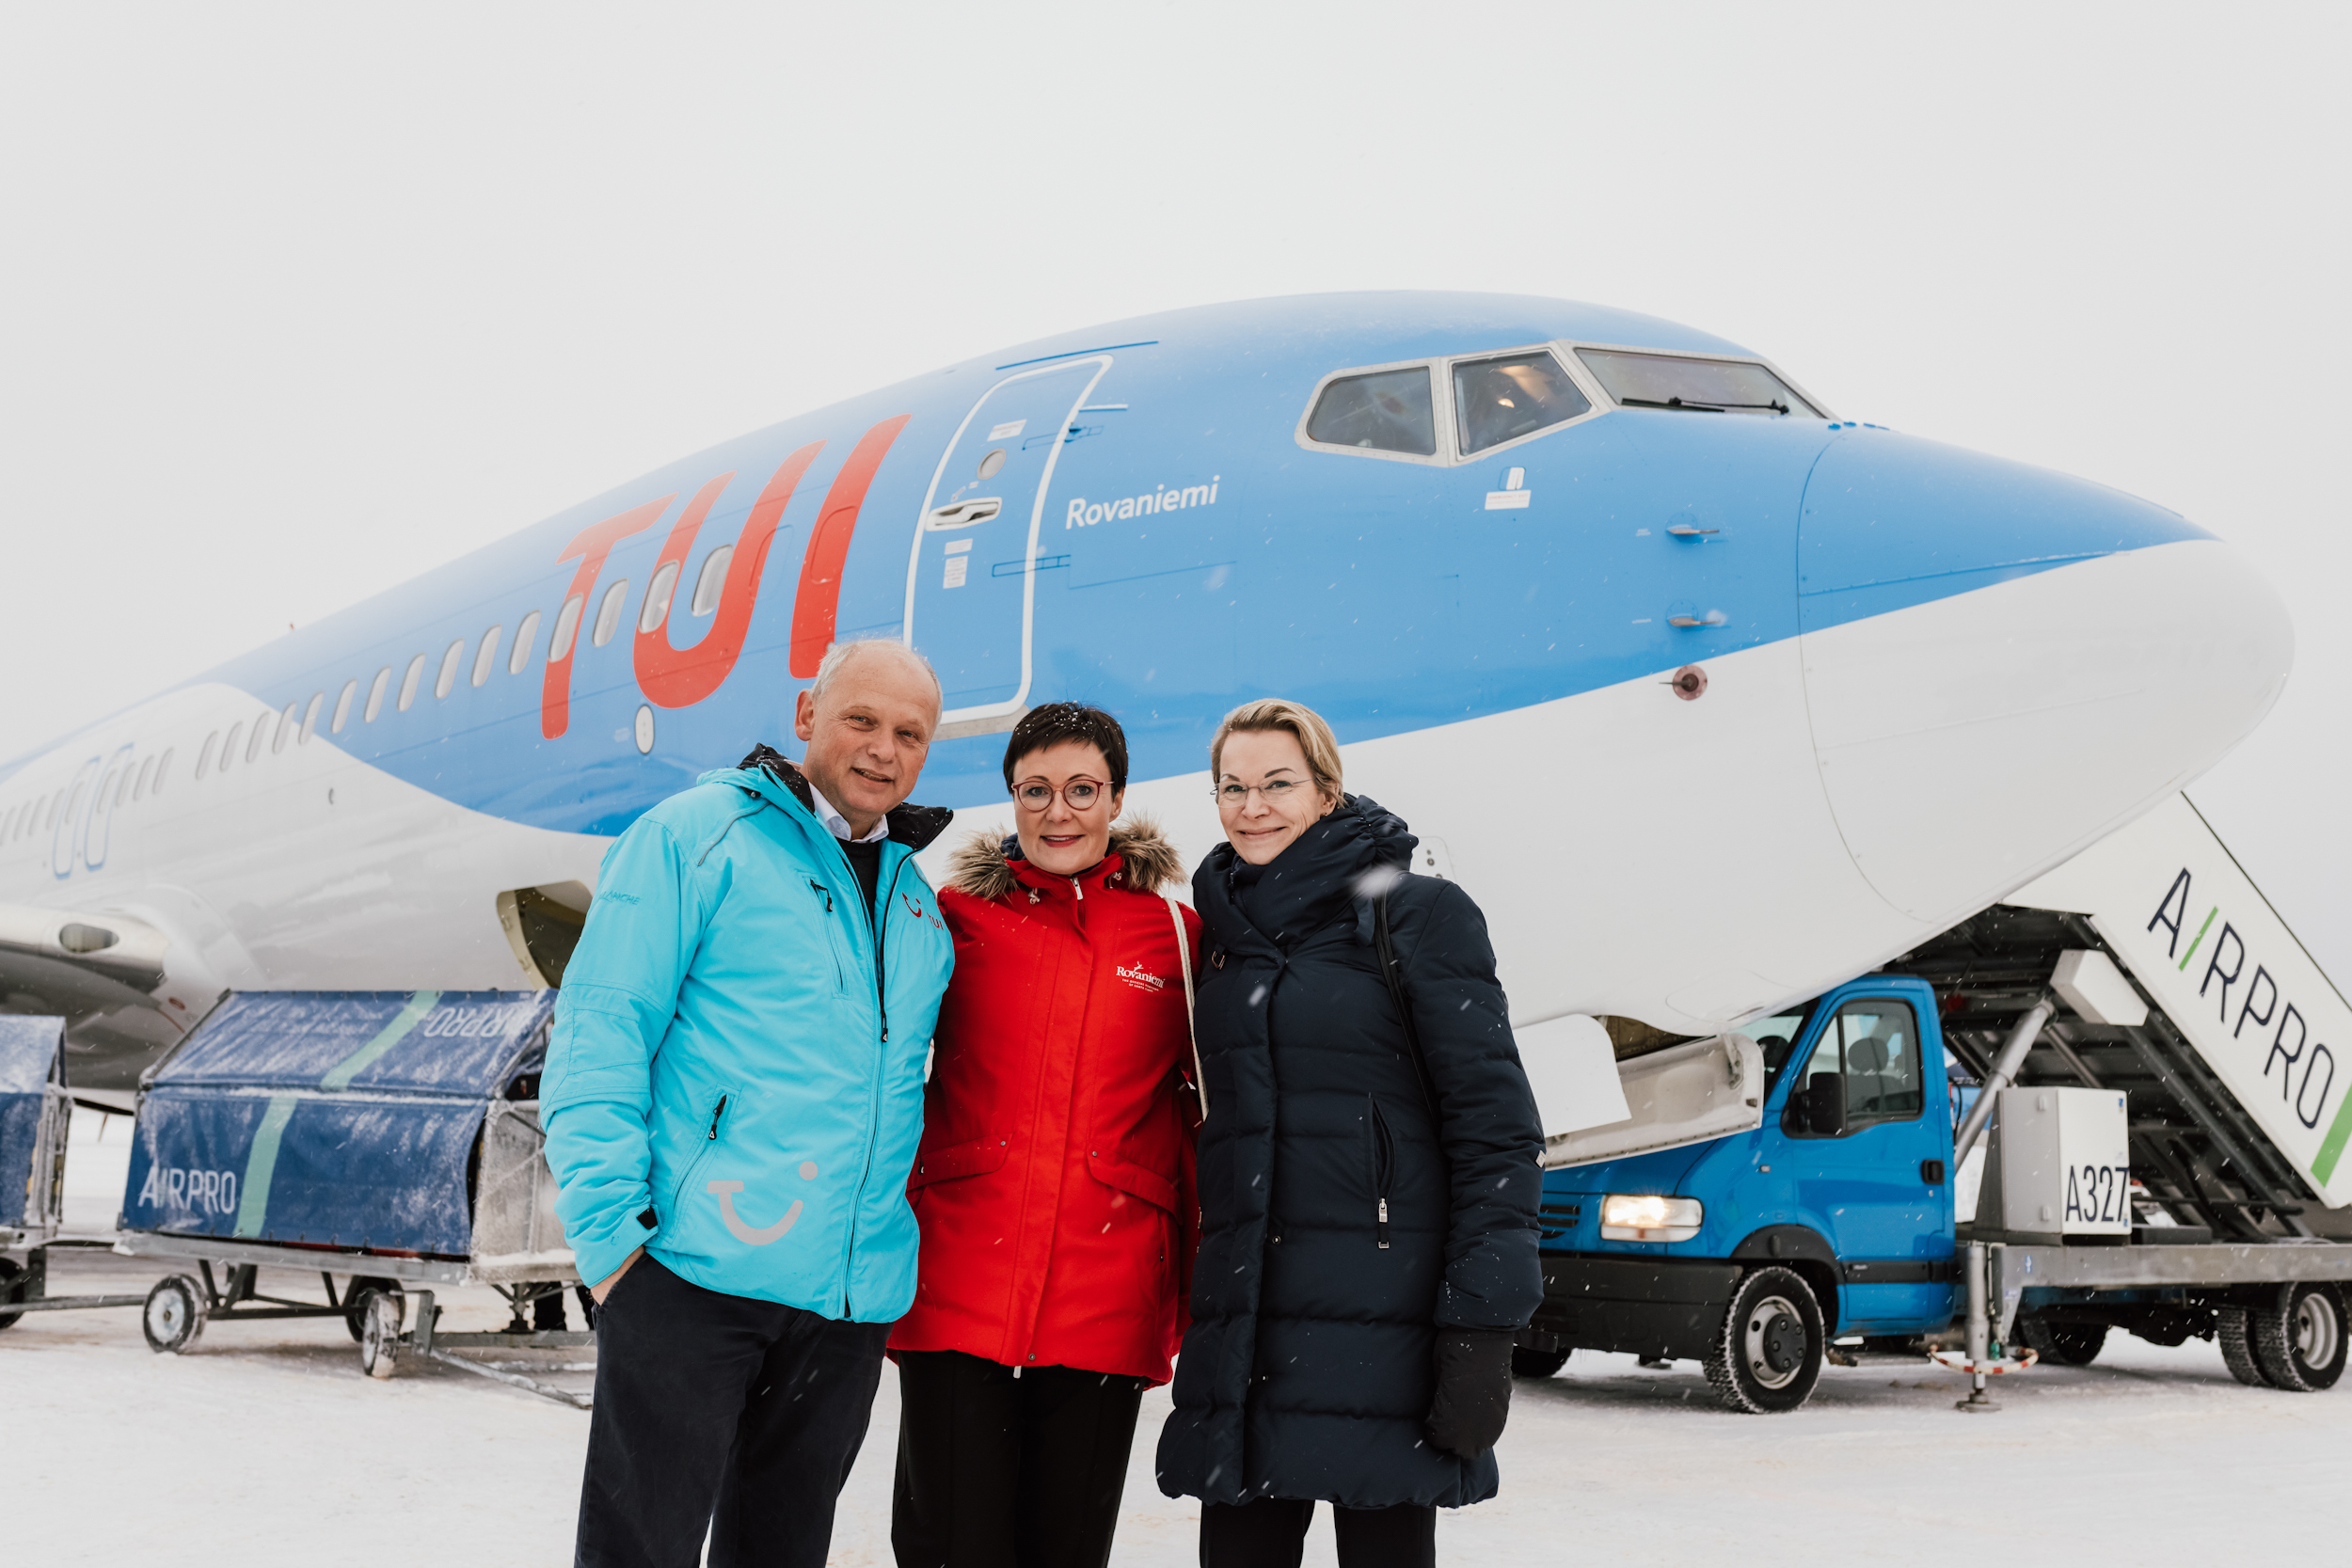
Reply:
x=1393, y=972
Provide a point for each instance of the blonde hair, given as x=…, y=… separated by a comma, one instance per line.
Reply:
x=1304, y=724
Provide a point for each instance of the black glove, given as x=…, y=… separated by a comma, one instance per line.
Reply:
x=1473, y=1367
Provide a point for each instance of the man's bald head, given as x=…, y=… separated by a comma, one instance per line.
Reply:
x=868, y=719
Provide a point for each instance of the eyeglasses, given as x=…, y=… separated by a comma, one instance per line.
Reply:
x=1078, y=794
x=1273, y=792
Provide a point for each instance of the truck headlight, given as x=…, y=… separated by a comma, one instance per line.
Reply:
x=1646, y=1218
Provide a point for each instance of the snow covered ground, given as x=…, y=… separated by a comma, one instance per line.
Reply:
x=265, y=1445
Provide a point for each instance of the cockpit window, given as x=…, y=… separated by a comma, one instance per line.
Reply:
x=1387, y=411
x=1692, y=386
x=1500, y=400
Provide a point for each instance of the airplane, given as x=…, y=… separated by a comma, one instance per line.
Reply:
x=1711, y=697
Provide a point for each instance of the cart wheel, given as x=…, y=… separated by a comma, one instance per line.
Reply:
x=11, y=1289
x=2298, y=1338
x=355, y=1294
x=174, y=1314
x=379, y=1340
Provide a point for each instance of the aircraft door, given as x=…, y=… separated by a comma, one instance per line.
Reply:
x=971, y=570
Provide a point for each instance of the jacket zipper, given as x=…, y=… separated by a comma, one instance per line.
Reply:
x=1383, y=1164
x=878, y=924
x=720, y=1111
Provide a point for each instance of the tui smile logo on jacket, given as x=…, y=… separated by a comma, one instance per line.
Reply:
x=741, y=1228
x=1141, y=978
x=916, y=908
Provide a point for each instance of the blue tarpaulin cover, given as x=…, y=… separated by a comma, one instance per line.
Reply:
x=342, y=1119
x=29, y=1049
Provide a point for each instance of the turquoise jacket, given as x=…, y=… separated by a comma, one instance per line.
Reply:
x=734, y=1083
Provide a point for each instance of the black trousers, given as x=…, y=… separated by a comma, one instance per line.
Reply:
x=723, y=1415
x=1272, y=1532
x=998, y=1471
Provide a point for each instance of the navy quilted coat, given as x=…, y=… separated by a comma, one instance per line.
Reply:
x=1306, y=1372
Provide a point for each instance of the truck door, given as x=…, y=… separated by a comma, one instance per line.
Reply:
x=1891, y=1227
x=971, y=571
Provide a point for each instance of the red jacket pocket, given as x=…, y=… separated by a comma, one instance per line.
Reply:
x=977, y=1158
x=1148, y=1185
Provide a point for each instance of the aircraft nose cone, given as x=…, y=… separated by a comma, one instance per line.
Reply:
x=2004, y=664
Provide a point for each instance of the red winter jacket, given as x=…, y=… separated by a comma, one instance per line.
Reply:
x=1055, y=1182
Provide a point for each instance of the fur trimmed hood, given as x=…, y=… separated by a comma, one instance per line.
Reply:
x=981, y=865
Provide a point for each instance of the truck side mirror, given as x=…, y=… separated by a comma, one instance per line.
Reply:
x=1825, y=1104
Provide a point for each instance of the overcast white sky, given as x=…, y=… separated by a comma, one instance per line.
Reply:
x=299, y=301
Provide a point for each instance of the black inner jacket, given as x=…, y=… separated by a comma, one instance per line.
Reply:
x=1307, y=1370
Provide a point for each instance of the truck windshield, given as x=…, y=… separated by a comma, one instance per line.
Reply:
x=1774, y=1036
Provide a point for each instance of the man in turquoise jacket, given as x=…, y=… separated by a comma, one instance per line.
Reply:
x=733, y=1097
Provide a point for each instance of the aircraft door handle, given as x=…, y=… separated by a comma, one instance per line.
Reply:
x=963, y=514
x=1684, y=531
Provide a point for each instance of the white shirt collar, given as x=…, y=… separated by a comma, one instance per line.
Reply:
x=838, y=825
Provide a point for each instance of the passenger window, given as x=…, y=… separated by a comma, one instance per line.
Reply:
x=138, y=790
x=713, y=581
x=1386, y=411
x=204, y=757
x=485, y=661
x=1501, y=400
x=261, y=733
x=658, y=593
x=448, y=677
x=375, y=695
x=311, y=718
x=228, y=746
x=609, y=612
x=161, y=769
x=408, y=682
x=1874, y=1044
x=525, y=635
x=567, y=628
x=343, y=707
x=1692, y=386
x=287, y=725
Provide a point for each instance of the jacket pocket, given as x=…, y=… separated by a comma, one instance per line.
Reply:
x=712, y=1126
x=1134, y=1179
x=824, y=898
x=1380, y=1158
x=976, y=1158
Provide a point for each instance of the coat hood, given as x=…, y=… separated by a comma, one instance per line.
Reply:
x=1353, y=855
x=766, y=768
x=982, y=864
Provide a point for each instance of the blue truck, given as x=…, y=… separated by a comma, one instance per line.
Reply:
x=1830, y=1221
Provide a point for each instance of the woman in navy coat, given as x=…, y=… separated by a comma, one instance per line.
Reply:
x=1368, y=1220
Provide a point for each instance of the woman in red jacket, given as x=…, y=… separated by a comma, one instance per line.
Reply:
x=1054, y=1185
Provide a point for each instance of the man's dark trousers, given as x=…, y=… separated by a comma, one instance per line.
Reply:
x=720, y=1414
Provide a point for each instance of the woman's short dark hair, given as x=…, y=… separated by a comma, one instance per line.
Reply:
x=1051, y=725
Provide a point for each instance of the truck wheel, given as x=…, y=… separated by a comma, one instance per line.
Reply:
x=1537, y=1363
x=1767, y=1356
x=11, y=1289
x=2237, y=1346
x=174, y=1314
x=2299, y=1339
x=2067, y=1344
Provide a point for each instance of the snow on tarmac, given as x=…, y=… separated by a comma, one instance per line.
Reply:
x=265, y=1445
